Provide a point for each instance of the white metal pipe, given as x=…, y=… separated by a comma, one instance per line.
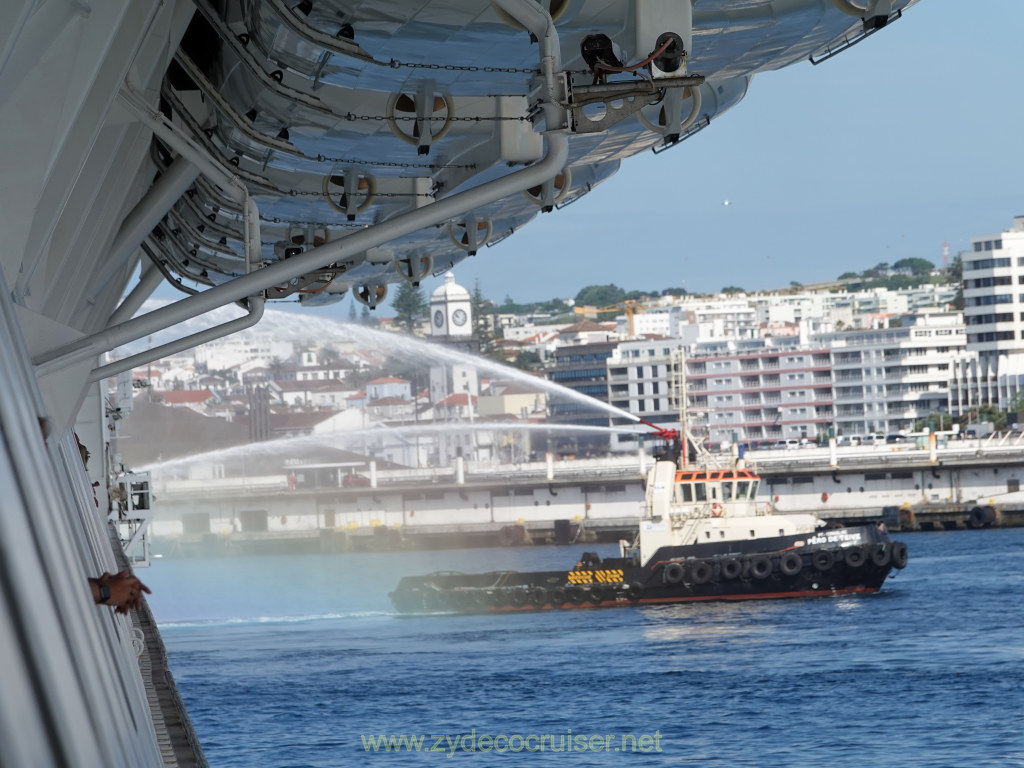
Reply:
x=180, y=345
x=149, y=278
x=143, y=217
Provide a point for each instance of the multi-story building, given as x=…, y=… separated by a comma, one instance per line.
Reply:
x=583, y=369
x=772, y=390
x=642, y=380
x=887, y=380
x=993, y=285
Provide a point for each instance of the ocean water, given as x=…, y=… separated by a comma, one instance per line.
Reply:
x=300, y=661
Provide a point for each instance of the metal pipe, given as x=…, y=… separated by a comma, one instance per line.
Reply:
x=149, y=278
x=180, y=345
x=143, y=217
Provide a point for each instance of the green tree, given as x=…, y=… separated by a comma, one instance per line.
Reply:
x=956, y=276
x=527, y=361
x=919, y=267
x=600, y=296
x=732, y=289
x=409, y=304
x=848, y=276
x=482, y=309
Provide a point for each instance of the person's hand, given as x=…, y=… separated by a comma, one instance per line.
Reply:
x=125, y=590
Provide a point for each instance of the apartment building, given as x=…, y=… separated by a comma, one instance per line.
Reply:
x=888, y=379
x=993, y=285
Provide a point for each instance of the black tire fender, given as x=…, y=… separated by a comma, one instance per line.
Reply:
x=760, y=566
x=899, y=554
x=790, y=563
x=702, y=572
x=854, y=557
x=823, y=559
x=882, y=556
x=673, y=573
x=730, y=568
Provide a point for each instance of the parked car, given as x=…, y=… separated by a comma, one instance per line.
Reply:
x=787, y=444
x=890, y=439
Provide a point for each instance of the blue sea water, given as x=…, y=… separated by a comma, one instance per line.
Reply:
x=300, y=660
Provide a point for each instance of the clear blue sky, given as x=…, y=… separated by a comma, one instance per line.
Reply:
x=908, y=140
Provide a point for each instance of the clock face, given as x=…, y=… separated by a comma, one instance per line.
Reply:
x=459, y=317
x=438, y=318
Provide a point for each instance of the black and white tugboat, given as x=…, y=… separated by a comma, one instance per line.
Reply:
x=703, y=536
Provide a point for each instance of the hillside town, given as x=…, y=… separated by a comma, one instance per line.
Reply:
x=801, y=364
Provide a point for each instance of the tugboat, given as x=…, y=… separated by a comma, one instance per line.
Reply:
x=703, y=536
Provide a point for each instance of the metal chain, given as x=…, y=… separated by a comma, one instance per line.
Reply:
x=319, y=193
x=352, y=118
x=396, y=64
x=391, y=164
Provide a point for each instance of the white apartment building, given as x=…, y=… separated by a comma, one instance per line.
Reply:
x=244, y=347
x=993, y=284
x=723, y=318
x=773, y=390
x=887, y=379
x=641, y=381
x=738, y=390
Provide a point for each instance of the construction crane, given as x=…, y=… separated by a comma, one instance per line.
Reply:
x=629, y=307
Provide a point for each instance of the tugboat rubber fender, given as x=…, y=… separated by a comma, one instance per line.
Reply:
x=854, y=557
x=558, y=597
x=761, y=566
x=595, y=595
x=517, y=597
x=899, y=554
x=823, y=559
x=702, y=572
x=635, y=591
x=673, y=573
x=791, y=563
x=538, y=596
x=576, y=595
x=882, y=555
x=730, y=568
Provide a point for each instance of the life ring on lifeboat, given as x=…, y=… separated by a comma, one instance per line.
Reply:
x=716, y=510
